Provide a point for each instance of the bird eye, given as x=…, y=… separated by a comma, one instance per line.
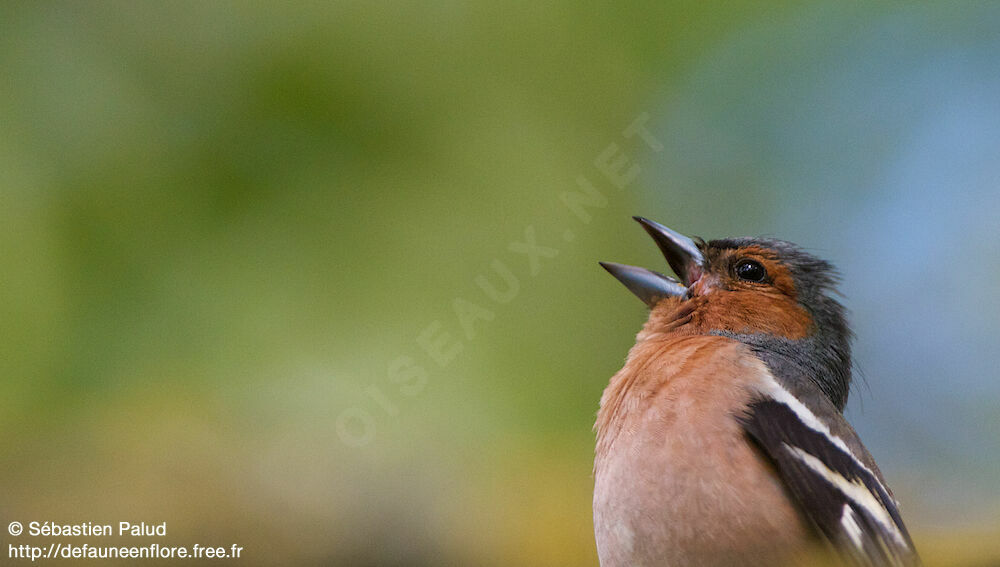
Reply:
x=751, y=271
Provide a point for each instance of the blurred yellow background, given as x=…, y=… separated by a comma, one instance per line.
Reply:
x=257, y=259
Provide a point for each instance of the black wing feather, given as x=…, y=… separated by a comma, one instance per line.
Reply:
x=783, y=436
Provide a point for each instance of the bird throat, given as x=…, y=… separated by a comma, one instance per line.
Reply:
x=740, y=312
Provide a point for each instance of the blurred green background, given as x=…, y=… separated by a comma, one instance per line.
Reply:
x=225, y=226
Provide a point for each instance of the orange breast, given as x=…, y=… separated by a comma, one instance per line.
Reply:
x=673, y=467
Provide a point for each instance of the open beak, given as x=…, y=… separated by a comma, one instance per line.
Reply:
x=681, y=252
x=683, y=255
x=647, y=285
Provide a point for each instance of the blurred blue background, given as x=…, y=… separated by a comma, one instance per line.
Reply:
x=244, y=253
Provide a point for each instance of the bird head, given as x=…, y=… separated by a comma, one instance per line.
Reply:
x=769, y=294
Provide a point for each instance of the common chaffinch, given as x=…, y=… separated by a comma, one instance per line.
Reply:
x=722, y=439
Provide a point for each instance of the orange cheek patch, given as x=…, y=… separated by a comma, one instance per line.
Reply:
x=728, y=304
x=751, y=312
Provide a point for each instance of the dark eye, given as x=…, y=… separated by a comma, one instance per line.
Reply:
x=751, y=271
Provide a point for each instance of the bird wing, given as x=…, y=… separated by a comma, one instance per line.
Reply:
x=829, y=472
